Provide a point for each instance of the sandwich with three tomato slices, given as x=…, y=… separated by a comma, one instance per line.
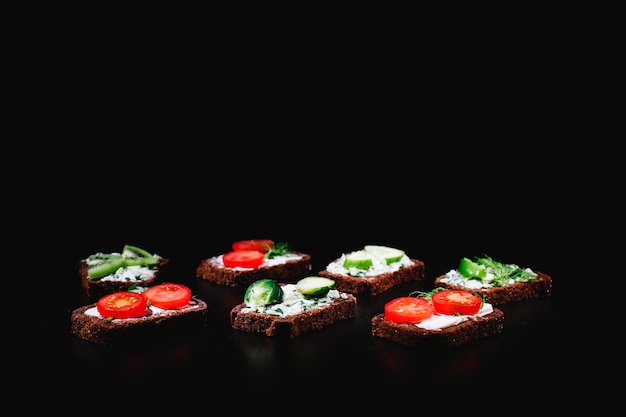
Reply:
x=254, y=259
x=441, y=317
x=139, y=313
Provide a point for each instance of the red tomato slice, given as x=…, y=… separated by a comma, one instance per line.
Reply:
x=122, y=305
x=408, y=310
x=259, y=245
x=168, y=295
x=452, y=302
x=243, y=258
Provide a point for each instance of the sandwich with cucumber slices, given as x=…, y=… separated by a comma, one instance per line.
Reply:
x=103, y=273
x=373, y=269
x=283, y=309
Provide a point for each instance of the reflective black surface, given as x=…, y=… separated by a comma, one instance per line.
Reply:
x=443, y=136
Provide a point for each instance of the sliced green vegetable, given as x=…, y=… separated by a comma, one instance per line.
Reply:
x=263, y=292
x=147, y=261
x=471, y=269
x=358, y=259
x=105, y=268
x=103, y=264
x=314, y=287
x=134, y=251
x=390, y=255
x=104, y=256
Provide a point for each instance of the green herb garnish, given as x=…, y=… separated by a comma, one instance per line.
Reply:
x=502, y=272
x=428, y=295
x=278, y=249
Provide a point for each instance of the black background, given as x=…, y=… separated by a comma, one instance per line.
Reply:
x=444, y=135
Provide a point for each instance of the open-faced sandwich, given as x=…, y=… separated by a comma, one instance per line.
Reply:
x=441, y=317
x=251, y=260
x=139, y=313
x=278, y=309
x=373, y=270
x=499, y=282
x=104, y=273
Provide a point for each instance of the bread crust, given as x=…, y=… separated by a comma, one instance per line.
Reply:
x=297, y=324
x=412, y=336
x=96, y=288
x=518, y=291
x=159, y=324
x=289, y=271
x=377, y=284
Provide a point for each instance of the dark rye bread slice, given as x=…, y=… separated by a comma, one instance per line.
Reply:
x=118, y=331
x=96, y=288
x=376, y=284
x=460, y=334
x=297, y=324
x=542, y=286
x=292, y=270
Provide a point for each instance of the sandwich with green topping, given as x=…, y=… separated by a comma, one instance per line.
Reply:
x=290, y=310
x=498, y=281
x=104, y=273
x=254, y=259
x=373, y=270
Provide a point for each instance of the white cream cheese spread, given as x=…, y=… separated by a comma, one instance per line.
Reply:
x=294, y=302
x=454, y=277
x=93, y=311
x=131, y=274
x=379, y=267
x=441, y=321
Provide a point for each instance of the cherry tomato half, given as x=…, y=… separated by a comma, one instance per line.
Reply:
x=168, y=295
x=452, y=302
x=243, y=258
x=259, y=245
x=122, y=305
x=408, y=310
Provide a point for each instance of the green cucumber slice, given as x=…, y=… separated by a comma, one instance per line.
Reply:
x=314, y=287
x=263, y=292
x=103, y=256
x=390, y=255
x=134, y=251
x=105, y=268
x=147, y=261
x=471, y=269
x=358, y=259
